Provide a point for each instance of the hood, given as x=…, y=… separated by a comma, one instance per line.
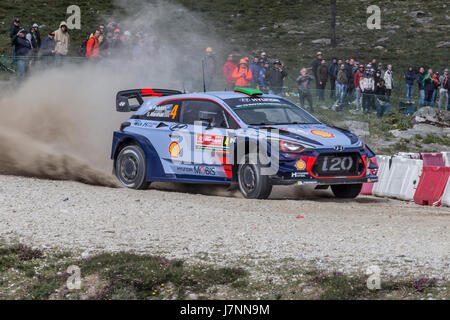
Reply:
x=63, y=23
x=318, y=135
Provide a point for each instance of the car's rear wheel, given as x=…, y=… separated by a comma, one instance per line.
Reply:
x=346, y=191
x=252, y=184
x=131, y=167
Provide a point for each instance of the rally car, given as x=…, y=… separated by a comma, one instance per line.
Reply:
x=241, y=137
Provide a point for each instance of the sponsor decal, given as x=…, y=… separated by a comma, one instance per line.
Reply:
x=164, y=111
x=298, y=174
x=211, y=142
x=174, y=149
x=307, y=182
x=205, y=171
x=300, y=165
x=322, y=133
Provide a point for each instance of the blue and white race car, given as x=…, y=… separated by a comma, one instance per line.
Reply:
x=244, y=137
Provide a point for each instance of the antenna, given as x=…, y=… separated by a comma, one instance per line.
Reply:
x=203, y=73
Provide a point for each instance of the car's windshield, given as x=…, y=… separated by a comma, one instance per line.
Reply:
x=269, y=111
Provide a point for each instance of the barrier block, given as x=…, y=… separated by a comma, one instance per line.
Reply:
x=433, y=159
x=384, y=165
x=404, y=178
x=409, y=155
x=432, y=185
x=446, y=156
x=367, y=187
x=446, y=195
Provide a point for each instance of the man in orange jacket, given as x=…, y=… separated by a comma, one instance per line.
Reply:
x=242, y=74
x=92, y=46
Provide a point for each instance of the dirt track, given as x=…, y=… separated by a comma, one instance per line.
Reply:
x=349, y=236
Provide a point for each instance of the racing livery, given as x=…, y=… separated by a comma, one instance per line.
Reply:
x=243, y=137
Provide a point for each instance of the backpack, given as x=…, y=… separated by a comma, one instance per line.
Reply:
x=83, y=47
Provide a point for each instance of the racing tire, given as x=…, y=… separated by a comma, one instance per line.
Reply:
x=346, y=191
x=131, y=167
x=252, y=184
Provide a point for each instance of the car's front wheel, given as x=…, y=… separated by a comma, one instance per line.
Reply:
x=346, y=191
x=131, y=167
x=252, y=184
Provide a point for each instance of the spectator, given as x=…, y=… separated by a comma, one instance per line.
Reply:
x=380, y=68
x=322, y=73
x=420, y=77
x=209, y=68
x=333, y=69
x=443, y=92
x=262, y=77
x=242, y=74
x=37, y=35
x=389, y=80
x=92, y=46
x=101, y=37
x=436, y=85
x=341, y=83
x=382, y=103
x=410, y=76
x=275, y=77
x=187, y=72
x=47, y=51
x=15, y=28
x=428, y=87
x=228, y=69
x=315, y=66
x=357, y=78
x=304, y=88
x=367, y=85
x=23, y=48
x=255, y=68
x=263, y=58
x=62, y=40
x=349, y=64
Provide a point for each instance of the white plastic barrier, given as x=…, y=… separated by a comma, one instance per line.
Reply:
x=446, y=158
x=404, y=178
x=446, y=195
x=380, y=187
x=409, y=155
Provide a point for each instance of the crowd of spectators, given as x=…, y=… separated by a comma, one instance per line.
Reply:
x=367, y=85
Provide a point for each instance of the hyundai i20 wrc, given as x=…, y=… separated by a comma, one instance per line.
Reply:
x=241, y=137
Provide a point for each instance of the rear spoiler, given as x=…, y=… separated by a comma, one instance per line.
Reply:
x=123, y=97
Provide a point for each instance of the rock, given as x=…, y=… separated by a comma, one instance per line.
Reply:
x=426, y=114
x=416, y=14
x=379, y=47
x=300, y=44
x=383, y=39
x=192, y=296
x=262, y=28
x=295, y=32
x=443, y=44
x=424, y=20
x=322, y=41
x=361, y=129
x=427, y=128
x=85, y=254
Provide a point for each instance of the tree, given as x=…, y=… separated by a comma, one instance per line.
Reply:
x=333, y=23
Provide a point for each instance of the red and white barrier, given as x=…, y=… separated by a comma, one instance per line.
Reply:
x=432, y=185
x=446, y=156
x=446, y=195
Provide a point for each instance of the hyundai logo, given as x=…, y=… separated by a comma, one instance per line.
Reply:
x=339, y=148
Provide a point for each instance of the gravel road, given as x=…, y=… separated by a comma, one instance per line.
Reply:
x=402, y=238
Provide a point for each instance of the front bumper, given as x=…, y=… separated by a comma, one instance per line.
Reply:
x=276, y=180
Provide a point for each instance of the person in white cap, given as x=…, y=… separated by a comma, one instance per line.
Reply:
x=315, y=66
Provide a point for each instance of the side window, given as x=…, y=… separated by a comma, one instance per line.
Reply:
x=196, y=110
x=167, y=111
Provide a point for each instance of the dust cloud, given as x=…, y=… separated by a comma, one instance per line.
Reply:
x=59, y=123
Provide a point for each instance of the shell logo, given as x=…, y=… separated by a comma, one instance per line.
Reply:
x=174, y=149
x=323, y=134
x=300, y=165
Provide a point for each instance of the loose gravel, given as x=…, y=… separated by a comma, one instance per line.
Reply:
x=349, y=236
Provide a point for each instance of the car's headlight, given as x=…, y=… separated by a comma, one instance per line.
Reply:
x=288, y=146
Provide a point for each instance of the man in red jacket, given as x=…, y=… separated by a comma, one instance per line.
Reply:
x=228, y=69
x=92, y=46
